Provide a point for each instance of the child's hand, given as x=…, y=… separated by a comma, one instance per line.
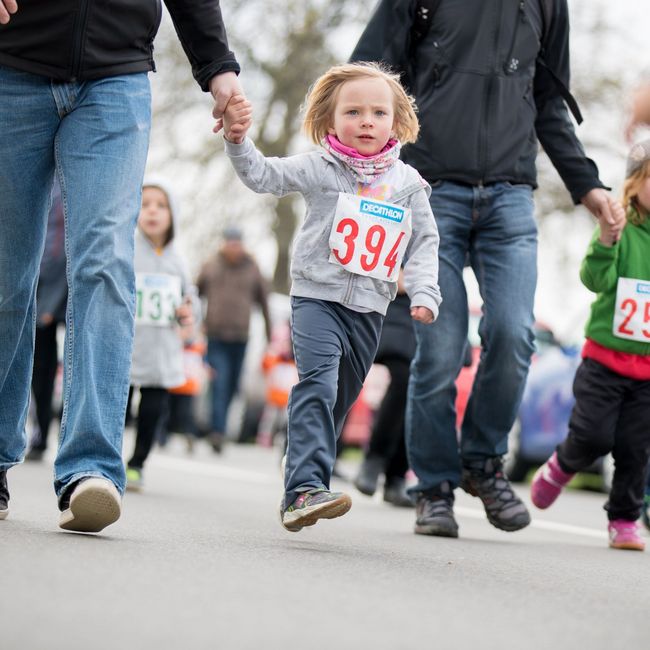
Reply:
x=236, y=119
x=185, y=318
x=422, y=314
x=611, y=233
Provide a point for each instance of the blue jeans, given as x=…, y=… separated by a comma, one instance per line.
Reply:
x=226, y=359
x=94, y=135
x=494, y=229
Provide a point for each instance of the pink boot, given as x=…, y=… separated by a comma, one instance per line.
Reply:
x=625, y=534
x=548, y=482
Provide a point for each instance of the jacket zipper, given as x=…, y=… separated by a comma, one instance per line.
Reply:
x=488, y=95
x=80, y=28
x=510, y=66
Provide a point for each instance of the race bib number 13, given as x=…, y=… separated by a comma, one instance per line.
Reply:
x=157, y=295
x=632, y=312
x=369, y=237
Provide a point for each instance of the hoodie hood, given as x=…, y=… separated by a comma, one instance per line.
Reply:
x=162, y=184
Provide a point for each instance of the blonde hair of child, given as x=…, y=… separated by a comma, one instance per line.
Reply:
x=322, y=97
x=631, y=189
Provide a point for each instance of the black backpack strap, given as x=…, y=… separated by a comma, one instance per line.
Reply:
x=565, y=93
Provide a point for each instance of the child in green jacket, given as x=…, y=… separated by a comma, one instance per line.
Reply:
x=612, y=384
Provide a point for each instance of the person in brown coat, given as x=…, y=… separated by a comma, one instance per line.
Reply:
x=231, y=283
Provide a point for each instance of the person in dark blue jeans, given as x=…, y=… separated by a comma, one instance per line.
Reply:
x=490, y=80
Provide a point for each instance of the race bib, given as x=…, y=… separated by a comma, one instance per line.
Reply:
x=632, y=310
x=369, y=237
x=157, y=296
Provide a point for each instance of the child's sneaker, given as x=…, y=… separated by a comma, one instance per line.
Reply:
x=134, y=480
x=548, y=482
x=625, y=535
x=645, y=512
x=4, y=495
x=311, y=506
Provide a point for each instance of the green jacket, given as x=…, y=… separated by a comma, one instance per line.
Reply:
x=600, y=271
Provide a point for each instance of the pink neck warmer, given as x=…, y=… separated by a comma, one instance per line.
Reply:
x=365, y=168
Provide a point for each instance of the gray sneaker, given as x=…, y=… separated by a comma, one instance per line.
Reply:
x=434, y=512
x=4, y=495
x=311, y=506
x=486, y=480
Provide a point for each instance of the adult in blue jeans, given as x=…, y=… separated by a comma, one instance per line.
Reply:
x=232, y=284
x=75, y=103
x=491, y=81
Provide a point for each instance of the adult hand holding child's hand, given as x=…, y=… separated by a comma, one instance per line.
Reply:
x=422, y=314
x=237, y=119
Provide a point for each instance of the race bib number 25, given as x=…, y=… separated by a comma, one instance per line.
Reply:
x=369, y=237
x=632, y=313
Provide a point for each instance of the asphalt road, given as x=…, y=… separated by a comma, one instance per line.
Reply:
x=199, y=560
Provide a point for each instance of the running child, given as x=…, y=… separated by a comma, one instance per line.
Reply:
x=163, y=317
x=366, y=211
x=612, y=384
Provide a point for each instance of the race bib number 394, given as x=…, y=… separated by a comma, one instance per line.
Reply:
x=369, y=237
x=632, y=312
x=157, y=295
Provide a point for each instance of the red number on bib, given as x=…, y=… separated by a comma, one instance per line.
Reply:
x=349, y=239
x=391, y=258
x=373, y=249
x=646, y=318
x=622, y=328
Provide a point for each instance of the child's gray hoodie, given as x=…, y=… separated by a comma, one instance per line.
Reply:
x=319, y=177
x=158, y=351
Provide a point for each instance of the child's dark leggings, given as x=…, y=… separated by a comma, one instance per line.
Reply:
x=611, y=414
x=154, y=403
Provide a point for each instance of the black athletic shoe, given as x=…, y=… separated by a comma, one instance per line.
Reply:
x=486, y=480
x=434, y=512
x=4, y=495
x=369, y=472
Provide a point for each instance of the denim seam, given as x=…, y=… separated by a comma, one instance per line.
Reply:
x=69, y=309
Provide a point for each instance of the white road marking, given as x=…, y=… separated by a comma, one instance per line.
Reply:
x=260, y=478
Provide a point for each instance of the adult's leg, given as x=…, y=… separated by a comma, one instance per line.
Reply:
x=431, y=437
x=236, y=352
x=153, y=406
x=28, y=123
x=101, y=149
x=504, y=260
x=219, y=361
x=46, y=361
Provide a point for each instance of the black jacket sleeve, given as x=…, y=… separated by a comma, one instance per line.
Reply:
x=553, y=125
x=387, y=35
x=202, y=34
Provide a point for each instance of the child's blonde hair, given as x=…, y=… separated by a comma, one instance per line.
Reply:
x=631, y=189
x=322, y=96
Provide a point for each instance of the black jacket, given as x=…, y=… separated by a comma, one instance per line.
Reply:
x=483, y=99
x=88, y=39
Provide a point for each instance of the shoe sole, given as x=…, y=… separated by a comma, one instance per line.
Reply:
x=628, y=546
x=329, y=510
x=4, y=514
x=94, y=504
x=436, y=531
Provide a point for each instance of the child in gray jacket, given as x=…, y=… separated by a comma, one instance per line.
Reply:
x=367, y=213
x=163, y=317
